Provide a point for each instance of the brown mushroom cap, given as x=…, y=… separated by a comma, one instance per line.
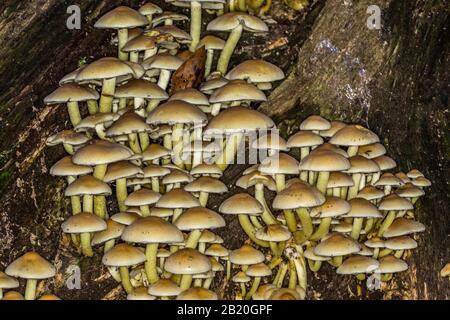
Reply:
x=31, y=266
x=335, y=126
x=362, y=208
x=340, y=179
x=206, y=184
x=199, y=218
x=360, y=164
x=83, y=222
x=358, y=264
x=304, y=139
x=354, y=135
x=400, y=243
x=7, y=282
x=122, y=169
x=231, y=20
x=237, y=90
x=87, y=185
x=332, y=207
x=246, y=255
x=187, y=261
x=393, y=202
x=256, y=71
x=101, y=152
x=152, y=230
x=176, y=111
x=123, y=255
x=370, y=192
x=298, y=195
x=241, y=203
x=177, y=198
x=65, y=167
x=274, y=233
x=192, y=96
x=139, y=88
x=337, y=245
x=164, y=288
x=316, y=123
x=113, y=230
x=402, y=226
x=324, y=161
x=391, y=264
x=71, y=93
x=280, y=163
x=163, y=61
x=105, y=68
x=197, y=294
x=121, y=18
x=371, y=151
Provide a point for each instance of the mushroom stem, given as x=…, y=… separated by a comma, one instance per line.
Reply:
x=267, y=216
x=386, y=223
x=125, y=278
x=274, y=249
x=369, y=225
x=253, y=288
x=121, y=193
x=192, y=240
x=227, y=52
x=314, y=266
x=243, y=290
x=300, y=266
x=150, y=53
x=292, y=275
x=145, y=140
x=248, y=228
x=145, y=211
x=163, y=82
x=305, y=220
x=376, y=251
x=177, y=142
x=203, y=198
x=74, y=112
x=122, y=35
x=151, y=252
x=100, y=171
x=215, y=109
x=68, y=148
x=176, y=214
x=242, y=5
x=353, y=190
x=384, y=252
x=322, y=181
x=386, y=277
x=399, y=253
x=30, y=289
x=100, y=206
x=231, y=148
x=109, y=245
x=361, y=276
x=322, y=230
x=207, y=283
x=155, y=184
x=336, y=261
x=209, y=61
x=134, y=142
x=352, y=151
x=88, y=203
x=280, y=180
x=186, y=281
x=356, y=228
x=291, y=222
x=255, y=222
x=92, y=106
x=375, y=177
x=283, y=270
x=228, y=276
x=196, y=24
x=134, y=56
x=108, y=90
x=86, y=248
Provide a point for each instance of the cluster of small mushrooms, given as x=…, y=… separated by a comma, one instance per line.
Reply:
x=158, y=158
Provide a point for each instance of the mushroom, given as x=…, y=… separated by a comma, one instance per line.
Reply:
x=257, y=71
x=13, y=295
x=164, y=289
x=192, y=96
x=148, y=10
x=142, y=198
x=197, y=294
x=335, y=126
x=314, y=261
x=210, y=43
x=445, y=271
x=387, y=181
x=279, y=165
x=140, y=294
x=108, y=236
x=360, y=168
x=175, y=179
x=396, y=207
x=315, y=123
x=336, y=246
x=32, y=267
x=277, y=235
x=168, y=18
x=97, y=122
x=305, y=140
x=7, y=282
x=155, y=173
x=389, y=265
x=242, y=279
x=354, y=136
x=338, y=182
x=69, y=139
x=205, y=186
x=177, y=199
x=361, y=209
x=166, y=63
x=371, y=151
x=400, y=244
x=358, y=265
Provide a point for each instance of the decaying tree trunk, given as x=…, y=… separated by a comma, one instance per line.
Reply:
x=394, y=80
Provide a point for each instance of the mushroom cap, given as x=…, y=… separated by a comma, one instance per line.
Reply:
x=155, y=151
x=13, y=295
x=169, y=15
x=49, y=297
x=264, y=292
x=358, y=264
x=105, y=68
x=121, y=18
x=330, y=147
x=197, y=294
x=153, y=170
x=385, y=162
x=206, y=184
x=414, y=174
x=164, y=288
x=140, y=43
x=354, y=135
x=365, y=251
x=360, y=164
x=67, y=137
x=177, y=112
x=65, y=167
x=122, y=169
x=309, y=254
x=400, y=243
x=402, y=176
x=149, y=8
x=216, y=266
x=370, y=192
x=31, y=266
x=256, y=71
x=402, y=226
x=324, y=161
x=187, y=261
x=205, y=169
x=340, y=179
x=237, y=90
x=255, y=178
x=161, y=212
x=217, y=250
x=125, y=218
x=371, y=151
x=211, y=42
x=304, y=139
x=421, y=182
x=71, y=93
x=445, y=271
x=286, y=294
x=274, y=233
x=343, y=227
x=246, y=255
x=241, y=277
x=7, y=282
x=337, y=245
x=163, y=61
x=140, y=294
x=375, y=243
x=152, y=230
x=332, y=207
x=362, y=208
x=101, y=152
x=280, y=163
x=409, y=191
x=123, y=255
x=113, y=230
x=213, y=84
x=199, y=218
x=238, y=119
x=208, y=237
x=139, y=88
x=191, y=95
x=391, y=264
x=177, y=198
x=298, y=195
x=90, y=122
x=128, y=123
x=388, y=179
x=241, y=203
x=335, y=126
x=177, y=176
x=394, y=202
x=87, y=185
x=316, y=123
x=83, y=222
x=230, y=21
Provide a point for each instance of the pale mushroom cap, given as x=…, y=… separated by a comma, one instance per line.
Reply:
x=409, y=191
x=270, y=141
x=402, y=226
x=385, y=162
x=213, y=84
x=309, y=254
x=360, y=164
x=125, y=218
x=256, y=71
x=388, y=179
x=241, y=277
x=238, y=119
x=340, y=179
x=192, y=96
x=216, y=266
x=176, y=111
x=343, y=227
x=164, y=288
x=229, y=21
x=207, y=170
x=370, y=192
x=161, y=212
x=149, y=8
x=281, y=163
x=264, y=292
x=121, y=169
x=163, y=61
x=208, y=236
x=140, y=43
x=87, y=185
x=241, y=203
x=371, y=151
x=113, y=230
x=31, y=266
x=391, y=264
x=375, y=243
x=402, y=176
x=101, y=152
x=246, y=255
x=237, y=90
x=365, y=251
x=421, y=182
x=197, y=294
x=68, y=137
x=71, y=93
x=358, y=264
x=254, y=178
x=140, y=294
x=401, y=243
x=187, y=261
x=354, y=135
x=199, y=218
x=362, y=208
x=395, y=203
x=174, y=16
x=177, y=198
x=83, y=222
x=274, y=233
x=445, y=271
x=206, y=184
x=316, y=123
x=324, y=161
x=177, y=176
x=139, y=88
x=212, y=43
x=7, y=282
x=105, y=68
x=128, y=123
x=298, y=195
x=304, y=139
x=217, y=250
x=155, y=151
x=330, y=147
x=335, y=126
x=90, y=122
x=414, y=174
x=121, y=18
x=337, y=245
x=332, y=207
x=152, y=230
x=65, y=167
x=180, y=35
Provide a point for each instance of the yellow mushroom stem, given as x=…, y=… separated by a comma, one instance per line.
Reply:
x=88, y=203
x=231, y=148
x=74, y=112
x=399, y=253
x=133, y=142
x=227, y=52
x=390, y=217
x=186, y=281
x=249, y=229
x=280, y=180
x=336, y=261
x=267, y=215
x=144, y=140
x=92, y=106
x=386, y=277
x=203, y=198
x=305, y=221
x=352, y=151
x=125, y=278
x=207, y=283
x=100, y=171
x=100, y=207
x=121, y=193
x=109, y=245
x=107, y=95
x=151, y=251
x=314, y=266
x=193, y=238
x=292, y=275
x=253, y=288
x=196, y=24
x=30, y=289
x=356, y=228
x=122, y=36
x=361, y=276
x=177, y=143
x=370, y=222
x=209, y=61
x=300, y=266
x=155, y=184
x=322, y=181
x=353, y=190
x=86, y=248
x=275, y=262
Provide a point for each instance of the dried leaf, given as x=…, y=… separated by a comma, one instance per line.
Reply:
x=191, y=73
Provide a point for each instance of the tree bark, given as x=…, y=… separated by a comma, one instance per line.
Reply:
x=394, y=80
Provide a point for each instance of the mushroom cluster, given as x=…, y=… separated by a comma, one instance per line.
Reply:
x=142, y=166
